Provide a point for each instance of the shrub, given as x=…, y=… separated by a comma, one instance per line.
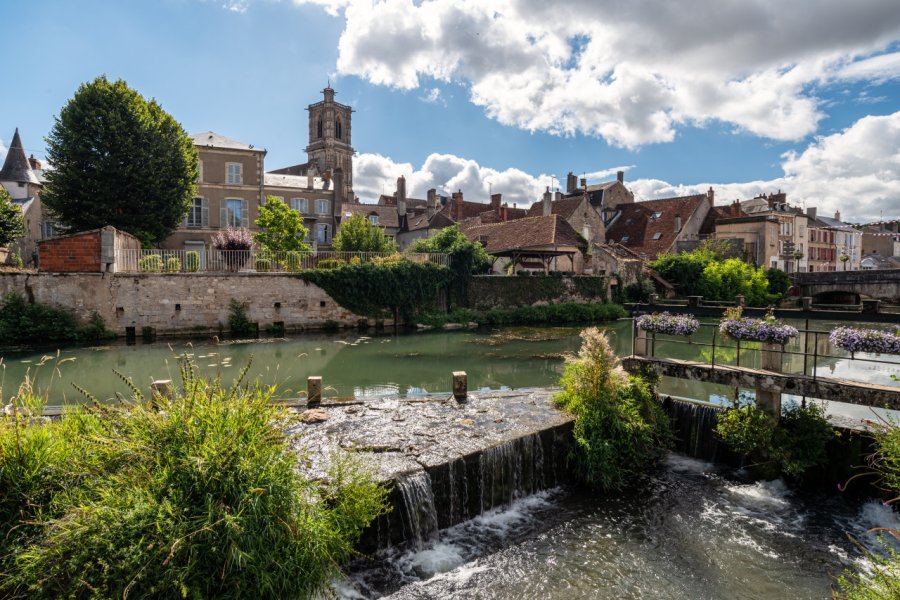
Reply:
x=152, y=263
x=15, y=259
x=173, y=265
x=779, y=282
x=330, y=263
x=238, y=322
x=792, y=445
x=192, y=261
x=197, y=496
x=264, y=261
x=235, y=244
x=293, y=261
x=22, y=322
x=639, y=291
x=726, y=279
x=620, y=428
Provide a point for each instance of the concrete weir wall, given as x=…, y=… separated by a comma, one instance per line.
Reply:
x=181, y=302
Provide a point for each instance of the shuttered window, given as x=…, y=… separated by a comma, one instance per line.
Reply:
x=198, y=215
x=300, y=204
x=234, y=213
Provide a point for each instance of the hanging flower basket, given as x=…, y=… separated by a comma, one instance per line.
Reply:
x=768, y=330
x=865, y=340
x=668, y=323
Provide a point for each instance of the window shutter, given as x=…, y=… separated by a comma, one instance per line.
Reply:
x=223, y=213
x=204, y=212
x=245, y=214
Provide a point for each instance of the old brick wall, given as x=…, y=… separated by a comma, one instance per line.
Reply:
x=182, y=302
x=77, y=253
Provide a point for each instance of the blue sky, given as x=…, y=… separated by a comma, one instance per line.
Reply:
x=748, y=99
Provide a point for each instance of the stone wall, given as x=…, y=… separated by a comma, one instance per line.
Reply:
x=486, y=292
x=182, y=302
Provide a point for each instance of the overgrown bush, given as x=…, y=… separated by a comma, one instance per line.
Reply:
x=639, y=291
x=330, y=263
x=466, y=259
x=239, y=324
x=197, y=496
x=792, y=445
x=152, y=263
x=264, y=261
x=779, y=282
x=173, y=265
x=723, y=280
x=293, y=261
x=30, y=323
x=554, y=314
x=620, y=428
x=192, y=261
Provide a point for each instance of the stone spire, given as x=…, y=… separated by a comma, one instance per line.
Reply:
x=16, y=167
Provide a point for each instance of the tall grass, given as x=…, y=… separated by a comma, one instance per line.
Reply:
x=194, y=496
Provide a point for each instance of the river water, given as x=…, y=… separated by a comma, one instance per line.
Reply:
x=694, y=531
x=352, y=364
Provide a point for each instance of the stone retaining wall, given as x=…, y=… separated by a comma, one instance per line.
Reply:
x=182, y=303
x=486, y=292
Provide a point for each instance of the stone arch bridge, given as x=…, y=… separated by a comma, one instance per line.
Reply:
x=850, y=287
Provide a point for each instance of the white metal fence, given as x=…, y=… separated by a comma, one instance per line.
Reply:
x=255, y=261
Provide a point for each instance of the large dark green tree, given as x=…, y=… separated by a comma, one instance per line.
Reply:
x=121, y=160
x=12, y=226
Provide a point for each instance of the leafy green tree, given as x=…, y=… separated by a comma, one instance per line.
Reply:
x=119, y=160
x=281, y=227
x=726, y=279
x=779, y=282
x=12, y=224
x=466, y=258
x=359, y=234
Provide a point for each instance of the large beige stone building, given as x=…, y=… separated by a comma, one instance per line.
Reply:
x=233, y=181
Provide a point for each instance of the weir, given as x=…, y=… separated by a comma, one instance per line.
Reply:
x=446, y=462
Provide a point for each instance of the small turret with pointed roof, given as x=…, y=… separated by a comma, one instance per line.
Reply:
x=16, y=167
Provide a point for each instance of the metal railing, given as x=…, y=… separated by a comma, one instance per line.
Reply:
x=256, y=261
x=805, y=335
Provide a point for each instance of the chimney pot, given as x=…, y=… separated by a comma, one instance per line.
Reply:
x=620, y=176
x=546, y=204
x=495, y=202
x=584, y=183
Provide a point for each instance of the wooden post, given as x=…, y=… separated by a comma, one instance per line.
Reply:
x=313, y=392
x=460, y=386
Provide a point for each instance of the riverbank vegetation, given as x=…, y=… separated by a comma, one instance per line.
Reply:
x=194, y=496
x=24, y=323
x=708, y=271
x=620, y=428
x=551, y=314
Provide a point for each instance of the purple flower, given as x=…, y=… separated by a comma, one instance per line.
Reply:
x=757, y=330
x=668, y=323
x=865, y=340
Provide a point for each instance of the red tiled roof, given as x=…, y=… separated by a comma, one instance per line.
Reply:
x=565, y=207
x=524, y=234
x=636, y=228
x=720, y=212
x=387, y=215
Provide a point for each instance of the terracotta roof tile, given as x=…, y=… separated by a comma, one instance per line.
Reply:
x=387, y=215
x=649, y=227
x=523, y=234
x=565, y=207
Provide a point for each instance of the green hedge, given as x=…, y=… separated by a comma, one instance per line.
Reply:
x=30, y=323
x=553, y=314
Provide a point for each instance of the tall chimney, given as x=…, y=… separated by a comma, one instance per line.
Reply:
x=504, y=213
x=457, y=208
x=495, y=203
x=547, y=207
x=432, y=203
x=310, y=177
x=401, y=196
x=811, y=212
x=34, y=163
x=583, y=183
x=571, y=182
x=837, y=215
x=620, y=176
x=557, y=196
x=711, y=196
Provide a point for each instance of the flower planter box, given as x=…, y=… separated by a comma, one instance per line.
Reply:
x=767, y=331
x=668, y=324
x=865, y=340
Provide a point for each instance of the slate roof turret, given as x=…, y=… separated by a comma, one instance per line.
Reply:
x=16, y=167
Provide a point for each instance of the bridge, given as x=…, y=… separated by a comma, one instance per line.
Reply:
x=849, y=287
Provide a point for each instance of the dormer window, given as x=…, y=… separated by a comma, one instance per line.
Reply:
x=656, y=215
x=625, y=238
x=657, y=235
x=373, y=219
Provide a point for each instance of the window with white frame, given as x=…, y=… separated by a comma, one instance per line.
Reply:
x=235, y=173
x=48, y=230
x=300, y=204
x=235, y=213
x=322, y=206
x=323, y=233
x=373, y=219
x=198, y=215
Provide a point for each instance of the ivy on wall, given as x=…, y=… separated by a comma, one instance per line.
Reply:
x=491, y=291
x=403, y=288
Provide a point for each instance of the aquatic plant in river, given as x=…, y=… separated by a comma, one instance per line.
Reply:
x=668, y=323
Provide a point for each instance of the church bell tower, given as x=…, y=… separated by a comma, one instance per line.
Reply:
x=329, y=146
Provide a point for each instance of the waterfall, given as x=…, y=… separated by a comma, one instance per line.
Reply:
x=694, y=426
x=417, y=512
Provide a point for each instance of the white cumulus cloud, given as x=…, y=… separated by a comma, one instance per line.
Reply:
x=856, y=171
x=629, y=72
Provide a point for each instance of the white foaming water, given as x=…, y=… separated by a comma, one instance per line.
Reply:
x=875, y=514
x=437, y=558
x=686, y=464
x=767, y=492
